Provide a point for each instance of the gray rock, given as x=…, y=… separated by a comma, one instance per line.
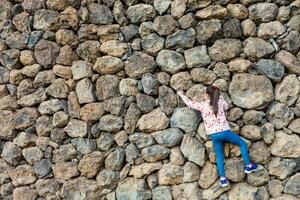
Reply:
x=181, y=81
x=99, y=14
x=79, y=187
x=279, y=114
x=293, y=23
x=42, y=167
x=251, y=132
x=44, y=78
x=208, y=175
x=105, y=141
x=64, y=153
x=242, y=189
x=234, y=169
x=11, y=153
x=294, y=126
x=138, y=64
x=285, y=145
x=197, y=57
x=84, y=91
x=212, y=11
x=46, y=20
x=253, y=98
x=162, y=6
x=65, y=170
x=259, y=153
x=193, y=150
x=170, y=61
x=115, y=105
x=275, y=187
x=24, y=193
x=153, y=121
x=81, y=69
x=46, y=187
x=186, y=191
x=140, y=13
x=145, y=102
x=32, y=99
x=60, y=119
x=25, y=118
x=76, y=128
x=185, y=118
x=89, y=50
x=256, y=48
x=169, y=137
x=58, y=89
x=131, y=118
x=259, y=177
x=150, y=83
x=107, y=86
x=270, y=30
x=144, y=169
x=208, y=30
x=17, y=40
x=162, y=193
x=152, y=43
x=293, y=184
x=203, y=75
x=24, y=139
x=191, y=172
x=128, y=87
x=232, y=29
x=107, y=177
x=165, y=25
x=225, y=49
x=84, y=145
x=214, y=191
x=132, y=153
x=263, y=12
x=131, y=188
x=22, y=175
x=108, y=65
x=288, y=90
x=288, y=60
x=115, y=160
x=292, y=42
x=111, y=123
x=50, y=106
x=181, y=39
x=7, y=131
x=10, y=58
x=167, y=99
x=46, y=52
x=141, y=139
x=170, y=174
x=91, y=163
x=32, y=154
x=155, y=153
x=129, y=32
x=272, y=69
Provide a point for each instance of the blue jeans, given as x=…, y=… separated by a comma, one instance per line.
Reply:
x=227, y=136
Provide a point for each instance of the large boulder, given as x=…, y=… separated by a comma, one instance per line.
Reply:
x=286, y=145
x=251, y=91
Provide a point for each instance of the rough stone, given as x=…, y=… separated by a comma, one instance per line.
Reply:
x=259, y=91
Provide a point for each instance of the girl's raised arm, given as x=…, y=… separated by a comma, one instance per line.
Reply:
x=190, y=103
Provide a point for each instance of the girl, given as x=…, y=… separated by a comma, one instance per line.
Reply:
x=217, y=128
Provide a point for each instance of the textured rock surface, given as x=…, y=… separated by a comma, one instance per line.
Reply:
x=88, y=103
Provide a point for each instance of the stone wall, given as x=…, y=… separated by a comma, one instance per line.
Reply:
x=88, y=103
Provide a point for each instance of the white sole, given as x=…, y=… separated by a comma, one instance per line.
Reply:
x=247, y=172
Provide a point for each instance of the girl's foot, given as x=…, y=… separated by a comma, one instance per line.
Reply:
x=224, y=182
x=250, y=168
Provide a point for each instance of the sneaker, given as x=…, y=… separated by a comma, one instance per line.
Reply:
x=224, y=182
x=251, y=168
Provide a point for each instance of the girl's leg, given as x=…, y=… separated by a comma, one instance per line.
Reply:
x=218, y=148
x=234, y=138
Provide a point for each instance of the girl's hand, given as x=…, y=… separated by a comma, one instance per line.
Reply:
x=180, y=92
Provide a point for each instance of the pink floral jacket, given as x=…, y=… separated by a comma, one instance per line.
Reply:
x=212, y=123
